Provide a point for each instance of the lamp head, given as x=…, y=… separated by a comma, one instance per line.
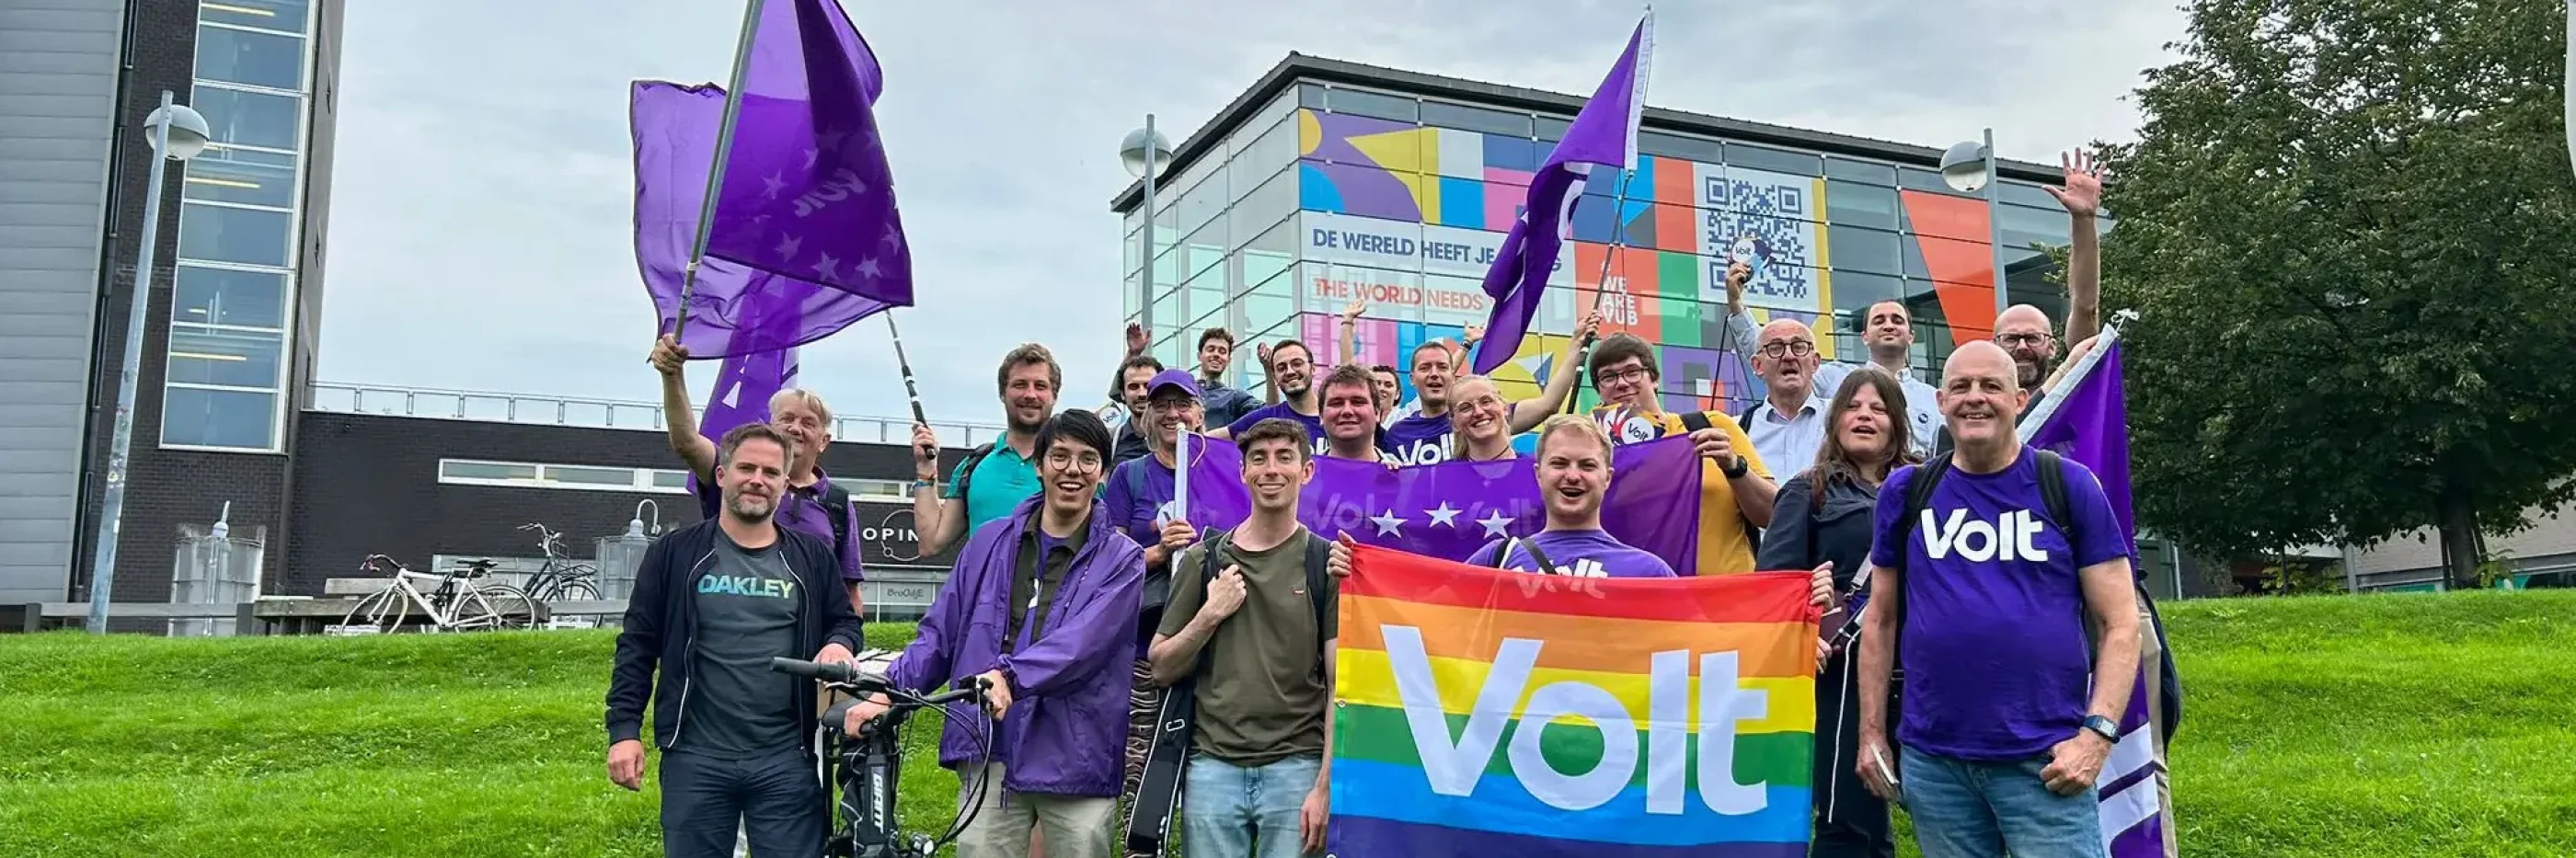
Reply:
x=1963, y=167
x=188, y=130
x=1133, y=151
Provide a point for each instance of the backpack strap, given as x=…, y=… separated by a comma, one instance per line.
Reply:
x=966, y=469
x=1693, y=421
x=1746, y=419
x=1545, y=566
x=2052, y=493
x=1319, y=573
x=836, y=505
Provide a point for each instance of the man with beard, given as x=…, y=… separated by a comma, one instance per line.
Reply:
x=1133, y=376
x=1292, y=369
x=713, y=603
x=1037, y=610
x=994, y=478
x=813, y=505
x=1888, y=332
x=1424, y=434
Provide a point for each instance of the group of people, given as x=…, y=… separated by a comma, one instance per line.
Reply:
x=1087, y=601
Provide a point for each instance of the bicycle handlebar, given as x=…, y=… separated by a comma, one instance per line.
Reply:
x=852, y=675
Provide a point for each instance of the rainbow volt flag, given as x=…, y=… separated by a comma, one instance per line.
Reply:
x=1491, y=714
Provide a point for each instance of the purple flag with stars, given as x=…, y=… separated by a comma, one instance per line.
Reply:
x=1604, y=134
x=807, y=192
x=2087, y=421
x=735, y=310
x=1450, y=509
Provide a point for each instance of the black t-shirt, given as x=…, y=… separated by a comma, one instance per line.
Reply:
x=747, y=612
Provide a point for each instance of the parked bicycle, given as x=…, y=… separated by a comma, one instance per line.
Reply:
x=561, y=578
x=871, y=764
x=454, y=601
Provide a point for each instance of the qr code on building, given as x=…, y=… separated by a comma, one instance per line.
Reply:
x=1766, y=222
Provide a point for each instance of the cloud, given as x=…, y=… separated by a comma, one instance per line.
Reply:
x=481, y=214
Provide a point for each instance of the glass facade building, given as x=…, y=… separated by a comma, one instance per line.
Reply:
x=1329, y=183
x=235, y=286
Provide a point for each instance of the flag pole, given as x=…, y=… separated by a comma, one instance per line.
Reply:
x=1600, y=284
x=716, y=173
x=905, y=365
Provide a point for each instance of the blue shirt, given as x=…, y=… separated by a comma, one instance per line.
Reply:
x=1996, y=663
x=1002, y=480
x=1225, y=403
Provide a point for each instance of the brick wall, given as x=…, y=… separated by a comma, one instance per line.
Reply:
x=368, y=484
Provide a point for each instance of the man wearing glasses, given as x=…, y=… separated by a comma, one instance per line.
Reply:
x=1735, y=487
x=1788, y=425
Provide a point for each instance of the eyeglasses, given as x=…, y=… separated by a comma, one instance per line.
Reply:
x=2015, y=340
x=1801, y=348
x=1620, y=376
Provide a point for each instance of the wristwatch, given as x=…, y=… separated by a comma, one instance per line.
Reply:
x=1735, y=470
x=2108, y=729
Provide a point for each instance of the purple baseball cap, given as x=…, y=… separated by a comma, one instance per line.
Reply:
x=1173, y=378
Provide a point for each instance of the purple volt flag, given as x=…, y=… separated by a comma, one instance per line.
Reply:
x=1450, y=509
x=2088, y=422
x=744, y=385
x=736, y=309
x=807, y=192
x=1603, y=135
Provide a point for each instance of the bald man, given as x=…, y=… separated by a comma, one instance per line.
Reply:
x=2003, y=735
x=1788, y=425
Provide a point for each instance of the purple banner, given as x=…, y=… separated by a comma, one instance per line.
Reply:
x=1449, y=510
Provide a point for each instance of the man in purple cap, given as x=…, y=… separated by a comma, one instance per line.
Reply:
x=1139, y=500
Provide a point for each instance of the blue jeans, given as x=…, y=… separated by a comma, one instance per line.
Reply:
x=1966, y=809
x=774, y=801
x=1229, y=811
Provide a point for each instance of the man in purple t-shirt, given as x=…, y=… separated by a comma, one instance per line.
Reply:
x=1985, y=602
x=1573, y=465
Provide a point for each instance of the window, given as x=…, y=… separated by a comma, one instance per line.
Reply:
x=1775, y=160
x=220, y=233
x=1927, y=180
x=225, y=357
x=253, y=58
x=1677, y=146
x=1379, y=105
x=202, y=417
x=1854, y=292
x=671, y=480
x=1859, y=248
x=246, y=118
x=1310, y=96
x=618, y=477
x=1479, y=119
x=2027, y=194
x=1860, y=171
x=1552, y=128
x=224, y=296
x=280, y=15
x=1860, y=205
x=451, y=469
x=232, y=175
x=1203, y=202
x=478, y=472
x=1265, y=207
x=1275, y=150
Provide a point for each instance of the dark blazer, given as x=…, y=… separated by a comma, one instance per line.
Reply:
x=1804, y=533
x=662, y=625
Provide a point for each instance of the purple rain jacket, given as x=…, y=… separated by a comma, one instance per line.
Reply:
x=1070, y=675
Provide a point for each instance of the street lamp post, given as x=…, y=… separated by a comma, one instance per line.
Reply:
x=1968, y=167
x=1145, y=152
x=177, y=133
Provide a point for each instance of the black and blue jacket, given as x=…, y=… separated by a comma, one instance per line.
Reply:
x=662, y=625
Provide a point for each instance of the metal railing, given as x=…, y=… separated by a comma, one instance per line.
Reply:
x=497, y=407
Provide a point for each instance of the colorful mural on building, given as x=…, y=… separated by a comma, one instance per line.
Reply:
x=1407, y=218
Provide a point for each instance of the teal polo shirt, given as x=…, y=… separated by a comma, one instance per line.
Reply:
x=1003, y=479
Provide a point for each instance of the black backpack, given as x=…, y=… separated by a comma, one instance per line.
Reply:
x=966, y=469
x=2052, y=496
x=836, y=504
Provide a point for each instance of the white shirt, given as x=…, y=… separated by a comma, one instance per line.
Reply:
x=1788, y=442
x=1922, y=403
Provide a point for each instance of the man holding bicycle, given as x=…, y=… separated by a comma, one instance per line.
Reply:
x=1041, y=607
x=713, y=603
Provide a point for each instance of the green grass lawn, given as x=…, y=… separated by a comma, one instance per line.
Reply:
x=2418, y=726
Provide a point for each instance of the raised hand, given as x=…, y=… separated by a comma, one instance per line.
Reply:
x=2082, y=193
x=1351, y=312
x=1136, y=338
x=668, y=355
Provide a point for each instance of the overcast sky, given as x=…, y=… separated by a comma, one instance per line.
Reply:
x=481, y=219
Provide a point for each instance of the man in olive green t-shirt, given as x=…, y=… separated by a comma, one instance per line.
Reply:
x=1256, y=782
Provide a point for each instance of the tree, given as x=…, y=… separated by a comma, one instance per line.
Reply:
x=2350, y=231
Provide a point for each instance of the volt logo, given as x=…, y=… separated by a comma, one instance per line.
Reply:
x=1423, y=451
x=2011, y=536
x=1453, y=767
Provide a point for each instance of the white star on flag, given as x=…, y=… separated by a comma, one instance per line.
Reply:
x=1387, y=523
x=868, y=268
x=893, y=235
x=809, y=158
x=772, y=185
x=788, y=245
x=1494, y=523
x=832, y=138
x=1444, y=516
x=828, y=267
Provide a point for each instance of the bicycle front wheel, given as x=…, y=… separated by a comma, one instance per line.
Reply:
x=380, y=613
x=510, y=607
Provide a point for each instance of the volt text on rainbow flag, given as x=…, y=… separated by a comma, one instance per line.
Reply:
x=1488, y=713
